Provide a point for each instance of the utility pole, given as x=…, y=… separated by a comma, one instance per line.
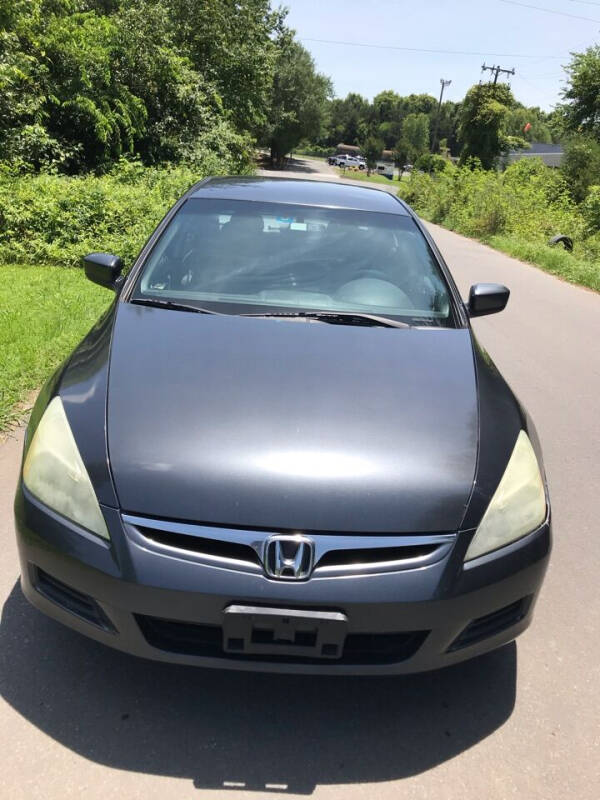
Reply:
x=497, y=70
x=444, y=83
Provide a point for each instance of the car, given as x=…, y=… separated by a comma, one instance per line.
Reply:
x=333, y=159
x=282, y=448
x=350, y=161
x=341, y=160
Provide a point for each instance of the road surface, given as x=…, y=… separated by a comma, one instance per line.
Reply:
x=80, y=720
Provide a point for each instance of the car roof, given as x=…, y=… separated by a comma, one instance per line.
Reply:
x=300, y=192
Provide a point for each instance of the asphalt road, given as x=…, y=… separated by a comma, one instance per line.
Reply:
x=523, y=722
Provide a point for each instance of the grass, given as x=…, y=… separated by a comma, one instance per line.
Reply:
x=361, y=175
x=551, y=259
x=44, y=312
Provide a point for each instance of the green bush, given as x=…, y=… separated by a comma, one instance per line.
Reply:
x=581, y=165
x=521, y=208
x=430, y=162
x=55, y=219
x=591, y=210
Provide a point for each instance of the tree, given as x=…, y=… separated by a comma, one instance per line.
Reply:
x=400, y=156
x=482, y=130
x=415, y=135
x=298, y=104
x=371, y=150
x=233, y=45
x=83, y=82
x=528, y=123
x=581, y=112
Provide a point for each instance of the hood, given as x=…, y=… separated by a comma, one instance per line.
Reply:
x=291, y=425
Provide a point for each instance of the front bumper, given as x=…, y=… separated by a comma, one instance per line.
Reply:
x=153, y=605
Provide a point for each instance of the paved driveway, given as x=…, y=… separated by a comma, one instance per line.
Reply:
x=77, y=719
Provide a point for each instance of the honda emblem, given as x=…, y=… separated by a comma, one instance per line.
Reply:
x=289, y=557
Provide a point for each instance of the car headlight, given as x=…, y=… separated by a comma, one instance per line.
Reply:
x=518, y=506
x=54, y=472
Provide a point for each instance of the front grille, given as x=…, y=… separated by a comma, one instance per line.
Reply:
x=82, y=605
x=335, y=554
x=374, y=555
x=198, y=544
x=190, y=639
x=491, y=624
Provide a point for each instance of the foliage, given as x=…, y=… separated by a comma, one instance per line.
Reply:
x=415, y=136
x=430, y=162
x=581, y=111
x=591, y=210
x=66, y=305
x=298, y=102
x=581, y=165
x=55, y=219
x=351, y=119
x=84, y=82
x=518, y=210
x=534, y=119
x=346, y=120
x=234, y=45
x=482, y=130
x=307, y=149
x=371, y=150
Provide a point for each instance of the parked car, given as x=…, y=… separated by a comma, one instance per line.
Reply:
x=351, y=161
x=282, y=447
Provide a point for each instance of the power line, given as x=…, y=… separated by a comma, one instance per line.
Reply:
x=548, y=10
x=429, y=50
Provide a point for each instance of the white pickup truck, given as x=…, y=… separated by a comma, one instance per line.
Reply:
x=349, y=161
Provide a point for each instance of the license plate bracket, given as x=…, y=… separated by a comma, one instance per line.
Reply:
x=261, y=631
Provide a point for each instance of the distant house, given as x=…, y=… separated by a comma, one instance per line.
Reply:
x=551, y=154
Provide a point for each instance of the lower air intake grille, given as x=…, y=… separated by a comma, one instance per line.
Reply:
x=491, y=624
x=82, y=605
x=207, y=640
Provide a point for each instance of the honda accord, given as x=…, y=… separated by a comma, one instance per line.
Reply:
x=282, y=447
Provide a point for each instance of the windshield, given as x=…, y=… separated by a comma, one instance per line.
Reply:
x=244, y=257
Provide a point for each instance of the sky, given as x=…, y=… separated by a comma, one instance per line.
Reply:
x=511, y=34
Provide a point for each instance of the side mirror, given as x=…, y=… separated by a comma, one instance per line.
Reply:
x=103, y=269
x=487, y=298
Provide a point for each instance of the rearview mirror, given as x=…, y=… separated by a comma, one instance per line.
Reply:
x=487, y=298
x=103, y=269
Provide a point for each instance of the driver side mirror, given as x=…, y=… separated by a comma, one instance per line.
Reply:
x=103, y=269
x=487, y=298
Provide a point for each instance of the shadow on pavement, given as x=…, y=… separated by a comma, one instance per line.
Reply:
x=298, y=165
x=241, y=730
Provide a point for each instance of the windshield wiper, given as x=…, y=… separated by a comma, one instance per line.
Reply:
x=171, y=304
x=337, y=318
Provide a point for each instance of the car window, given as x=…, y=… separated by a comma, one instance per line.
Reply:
x=247, y=256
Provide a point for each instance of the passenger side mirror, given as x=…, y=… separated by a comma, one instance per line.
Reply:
x=103, y=269
x=487, y=298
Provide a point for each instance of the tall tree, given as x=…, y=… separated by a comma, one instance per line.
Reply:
x=233, y=45
x=298, y=105
x=371, y=149
x=83, y=82
x=581, y=112
x=415, y=135
x=482, y=131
